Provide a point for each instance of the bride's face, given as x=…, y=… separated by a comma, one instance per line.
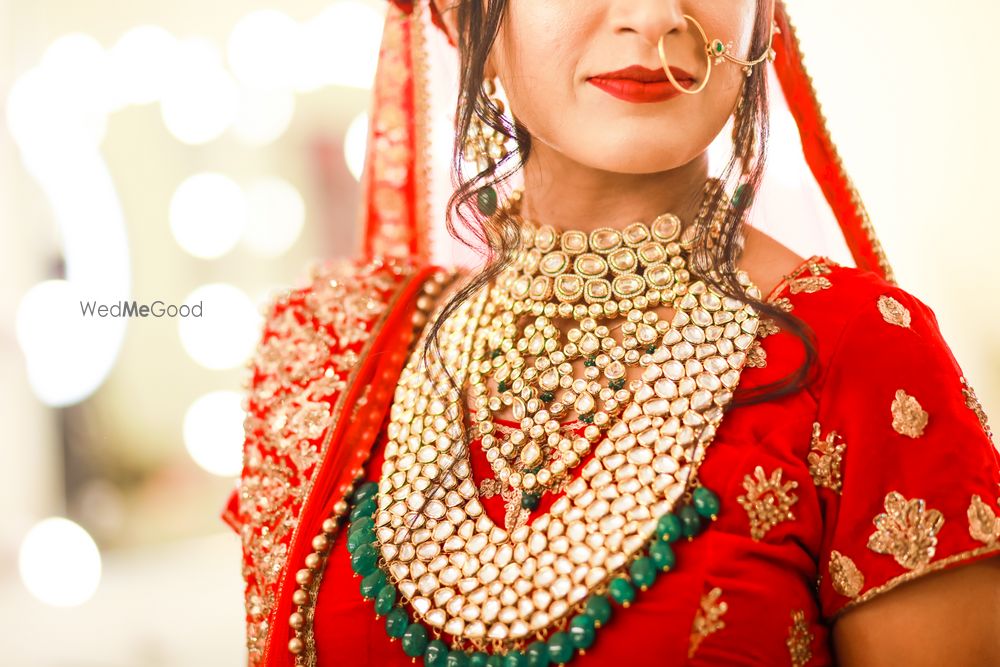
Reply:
x=556, y=61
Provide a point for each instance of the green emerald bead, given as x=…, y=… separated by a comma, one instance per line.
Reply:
x=622, y=591
x=706, y=503
x=479, y=659
x=529, y=501
x=366, y=508
x=669, y=527
x=372, y=584
x=537, y=654
x=396, y=622
x=435, y=655
x=599, y=609
x=514, y=659
x=363, y=492
x=486, y=200
x=365, y=523
x=560, y=648
x=385, y=599
x=357, y=538
x=643, y=572
x=415, y=640
x=457, y=659
x=663, y=555
x=690, y=521
x=363, y=560
x=582, y=631
x=494, y=661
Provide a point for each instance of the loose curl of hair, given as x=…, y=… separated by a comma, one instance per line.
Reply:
x=478, y=25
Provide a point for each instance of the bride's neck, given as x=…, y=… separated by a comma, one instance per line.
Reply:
x=568, y=195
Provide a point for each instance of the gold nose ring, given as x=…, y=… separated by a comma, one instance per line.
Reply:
x=708, y=60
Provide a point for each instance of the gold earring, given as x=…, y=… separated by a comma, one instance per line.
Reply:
x=483, y=146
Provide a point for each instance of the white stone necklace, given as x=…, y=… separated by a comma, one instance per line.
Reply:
x=480, y=583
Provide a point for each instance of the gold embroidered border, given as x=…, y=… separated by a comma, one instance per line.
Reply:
x=309, y=655
x=914, y=574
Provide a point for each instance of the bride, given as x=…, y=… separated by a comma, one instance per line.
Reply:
x=644, y=431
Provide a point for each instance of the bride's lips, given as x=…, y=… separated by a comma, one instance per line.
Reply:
x=642, y=85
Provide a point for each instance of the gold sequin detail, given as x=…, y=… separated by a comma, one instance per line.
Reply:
x=845, y=577
x=799, y=640
x=768, y=501
x=984, y=525
x=907, y=531
x=893, y=311
x=908, y=418
x=826, y=459
x=972, y=402
x=707, y=619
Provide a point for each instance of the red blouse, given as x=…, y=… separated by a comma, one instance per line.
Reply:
x=881, y=470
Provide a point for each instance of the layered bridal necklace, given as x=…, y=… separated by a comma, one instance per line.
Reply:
x=458, y=589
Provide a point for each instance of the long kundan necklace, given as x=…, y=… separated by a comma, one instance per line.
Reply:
x=458, y=589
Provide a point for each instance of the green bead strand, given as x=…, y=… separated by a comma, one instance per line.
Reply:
x=364, y=560
x=643, y=572
x=385, y=599
x=436, y=654
x=669, y=527
x=706, y=503
x=396, y=622
x=415, y=640
x=622, y=591
x=372, y=584
x=537, y=654
x=690, y=521
x=599, y=609
x=514, y=659
x=457, y=659
x=582, y=631
x=560, y=648
x=479, y=659
x=662, y=555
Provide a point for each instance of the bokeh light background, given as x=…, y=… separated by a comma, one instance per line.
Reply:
x=208, y=152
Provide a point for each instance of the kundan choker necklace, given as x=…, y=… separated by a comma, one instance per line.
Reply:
x=459, y=589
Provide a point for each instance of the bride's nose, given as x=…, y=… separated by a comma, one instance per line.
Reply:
x=648, y=18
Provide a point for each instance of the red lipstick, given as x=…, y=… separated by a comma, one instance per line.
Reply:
x=642, y=85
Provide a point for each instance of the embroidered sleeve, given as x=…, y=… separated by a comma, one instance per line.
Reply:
x=901, y=454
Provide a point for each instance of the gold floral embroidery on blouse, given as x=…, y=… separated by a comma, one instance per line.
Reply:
x=784, y=303
x=845, y=577
x=972, y=402
x=768, y=501
x=908, y=418
x=826, y=459
x=893, y=311
x=984, y=525
x=814, y=282
x=756, y=356
x=707, y=619
x=799, y=640
x=767, y=327
x=907, y=531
